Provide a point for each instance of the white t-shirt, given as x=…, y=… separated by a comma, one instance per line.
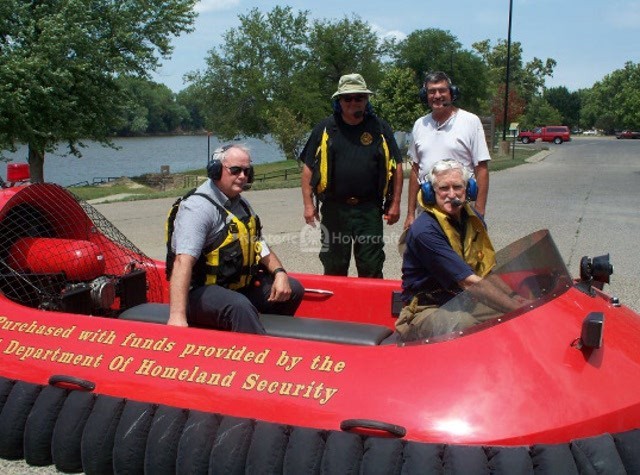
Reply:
x=461, y=138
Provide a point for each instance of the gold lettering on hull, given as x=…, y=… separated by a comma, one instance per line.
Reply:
x=262, y=371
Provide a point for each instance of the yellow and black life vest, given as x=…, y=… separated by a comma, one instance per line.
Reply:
x=321, y=176
x=477, y=249
x=232, y=263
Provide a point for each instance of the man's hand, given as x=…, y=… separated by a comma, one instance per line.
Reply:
x=177, y=321
x=393, y=214
x=409, y=221
x=311, y=215
x=280, y=290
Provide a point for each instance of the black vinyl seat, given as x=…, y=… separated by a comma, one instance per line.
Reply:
x=284, y=326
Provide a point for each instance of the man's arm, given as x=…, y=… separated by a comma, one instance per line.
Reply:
x=280, y=290
x=393, y=213
x=490, y=294
x=310, y=211
x=179, y=289
x=481, y=173
x=412, y=198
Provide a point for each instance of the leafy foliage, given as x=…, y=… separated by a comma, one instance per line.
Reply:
x=526, y=80
x=540, y=113
x=428, y=50
x=567, y=103
x=515, y=111
x=254, y=67
x=152, y=108
x=59, y=61
x=614, y=102
x=288, y=131
x=342, y=47
x=275, y=74
x=396, y=99
x=431, y=50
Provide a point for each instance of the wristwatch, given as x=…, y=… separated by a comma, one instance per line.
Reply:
x=277, y=270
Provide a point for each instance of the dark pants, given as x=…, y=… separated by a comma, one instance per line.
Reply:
x=212, y=306
x=345, y=226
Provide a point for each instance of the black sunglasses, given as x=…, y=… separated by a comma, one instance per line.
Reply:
x=352, y=98
x=236, y=170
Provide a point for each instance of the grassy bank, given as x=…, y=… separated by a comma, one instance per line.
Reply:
x=284, y=174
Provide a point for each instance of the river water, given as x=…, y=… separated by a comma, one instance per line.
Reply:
x=138, y=155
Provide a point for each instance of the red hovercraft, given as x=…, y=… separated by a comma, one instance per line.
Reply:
x=90, y=381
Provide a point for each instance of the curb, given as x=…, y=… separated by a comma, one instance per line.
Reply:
x=538, y=157
x=111, y=198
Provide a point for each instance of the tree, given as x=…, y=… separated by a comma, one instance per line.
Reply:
x=288, y=131
x=342, y=47
x=152, y=108
x=59, y=62
x=275, y=74
x=438, y=50
x=540, y=113
x=396, y=99
x=516, y=107
x=528, y=79
x=256, y=66
x=428, y=50
x=567, y=103
x=614, y=102
x=189, y=98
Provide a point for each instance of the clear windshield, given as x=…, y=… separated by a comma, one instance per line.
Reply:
x=531, y=268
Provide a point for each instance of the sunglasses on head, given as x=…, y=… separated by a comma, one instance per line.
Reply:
x=358, y=98
x=236, y=170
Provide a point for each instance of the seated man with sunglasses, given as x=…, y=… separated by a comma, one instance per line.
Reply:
x=222, y=272
x=353, y=165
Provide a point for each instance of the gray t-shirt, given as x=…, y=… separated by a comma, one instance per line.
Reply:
x=200, y=224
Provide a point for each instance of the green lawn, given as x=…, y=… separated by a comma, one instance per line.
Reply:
x=284, y=174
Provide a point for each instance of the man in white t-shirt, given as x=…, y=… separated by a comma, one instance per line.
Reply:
x=447, y=132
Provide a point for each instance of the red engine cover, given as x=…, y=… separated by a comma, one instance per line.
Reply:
x=79, y=260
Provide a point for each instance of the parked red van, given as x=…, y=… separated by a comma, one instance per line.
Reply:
x=551, y=133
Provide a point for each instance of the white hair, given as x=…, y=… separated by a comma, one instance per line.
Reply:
x=445, y=165
x=221, y=152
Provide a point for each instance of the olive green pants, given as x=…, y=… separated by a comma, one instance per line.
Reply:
x=417, y=322
x=352, y=226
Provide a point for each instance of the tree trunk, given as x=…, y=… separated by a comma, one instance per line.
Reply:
x=36, y=164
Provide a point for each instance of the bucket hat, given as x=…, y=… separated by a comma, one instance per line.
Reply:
x=351, y=84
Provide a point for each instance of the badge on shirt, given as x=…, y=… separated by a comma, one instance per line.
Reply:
x=366, y=138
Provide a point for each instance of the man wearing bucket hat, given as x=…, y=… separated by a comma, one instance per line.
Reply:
x=352, y=164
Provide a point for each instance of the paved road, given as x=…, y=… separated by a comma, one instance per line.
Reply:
x=586, y=192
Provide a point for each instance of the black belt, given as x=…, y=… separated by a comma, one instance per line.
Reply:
x=434, y=297
x=352, y=200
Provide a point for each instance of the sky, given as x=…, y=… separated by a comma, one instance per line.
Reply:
x=588, y=38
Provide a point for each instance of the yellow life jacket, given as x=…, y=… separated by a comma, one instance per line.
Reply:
x=321, y=178
x=477, y=249
x=234, y=263
x=231, y=264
